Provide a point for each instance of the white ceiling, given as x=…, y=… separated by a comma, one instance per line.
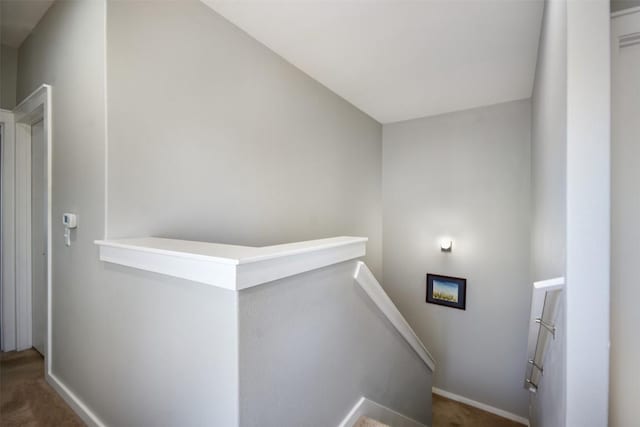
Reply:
x=400, y=59
x=19, y=17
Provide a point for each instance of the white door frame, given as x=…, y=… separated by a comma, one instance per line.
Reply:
x=34, y=108
x=625, y=33
x=8, y=259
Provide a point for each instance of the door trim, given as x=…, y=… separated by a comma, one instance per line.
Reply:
x=32, y=109
x=7, y=252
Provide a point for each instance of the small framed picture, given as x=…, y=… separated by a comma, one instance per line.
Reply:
x=447, y=291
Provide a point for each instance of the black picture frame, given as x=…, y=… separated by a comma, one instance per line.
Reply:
x=450, y=291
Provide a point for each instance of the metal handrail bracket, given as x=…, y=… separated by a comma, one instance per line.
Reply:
x=537, y=343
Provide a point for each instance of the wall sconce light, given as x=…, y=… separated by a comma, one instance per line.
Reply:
x=446, y=245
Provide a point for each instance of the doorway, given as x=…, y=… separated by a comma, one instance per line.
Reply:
x=7, y=234
x=26, y=226
x=38, y=238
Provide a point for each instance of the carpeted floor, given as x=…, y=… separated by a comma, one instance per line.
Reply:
x=368, y=422
x=26, y=400
x=449, y=413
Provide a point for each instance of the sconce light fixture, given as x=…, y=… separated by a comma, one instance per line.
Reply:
x=446, y=245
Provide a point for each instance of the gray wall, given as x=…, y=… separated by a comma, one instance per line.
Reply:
x=549, y=146
x=66, y=50
x=311, y=345
x=131, y=345
x=213, y=137
x=271, y=155
x=625, y=228
x=548, y=171
x=8, y=76
x=548, y=167
x=466, y=175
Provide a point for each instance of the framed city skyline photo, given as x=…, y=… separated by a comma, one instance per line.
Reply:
x=447, y=291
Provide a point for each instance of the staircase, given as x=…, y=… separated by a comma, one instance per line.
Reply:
x=294, y=332
x=368, y=422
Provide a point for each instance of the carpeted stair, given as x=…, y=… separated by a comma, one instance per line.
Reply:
x=368, y=422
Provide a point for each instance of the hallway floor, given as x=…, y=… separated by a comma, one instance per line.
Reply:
x=27, y=400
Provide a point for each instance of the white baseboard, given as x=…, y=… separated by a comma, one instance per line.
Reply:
x=500, y=412
x=74, y=402
x=373, y=410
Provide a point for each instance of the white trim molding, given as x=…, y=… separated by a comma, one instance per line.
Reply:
x=229, y=266
x=35, y=107
x=23, y=236
x=487, y=408
x=7, y=203
x=78, y=406
x=367, y=281
x=624, y=32
x=16, y=216
x=629, y=39
x=624, y=12
x=368, y=408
